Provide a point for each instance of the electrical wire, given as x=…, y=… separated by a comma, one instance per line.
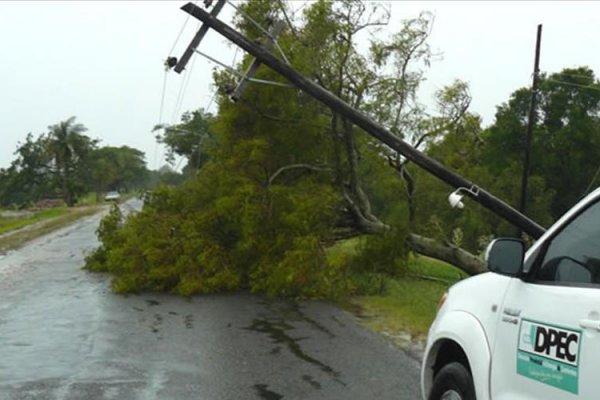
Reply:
x=162, y=98
x=164, y=89
x=186, y=80
x=179, y=94
x=263, y=30
x=160, y=115
x=573, y=84
x=592, y=182
x=180, y=33
x=569, y=75
x=287, y=18
x=214, y=95
x=239, y=74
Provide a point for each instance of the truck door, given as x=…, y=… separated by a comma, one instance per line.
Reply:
x=548, y=339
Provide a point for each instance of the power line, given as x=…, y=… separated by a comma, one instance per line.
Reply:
x=180, y=33
x=592, y=182
x=263, y=30
x=573, y=84
x=160, y=115
x=570, y=75
x=239, y=74
x=186, y=80
x=162, y=98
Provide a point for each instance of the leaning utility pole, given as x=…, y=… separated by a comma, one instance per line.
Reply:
x=531, y=123
x=367, y=124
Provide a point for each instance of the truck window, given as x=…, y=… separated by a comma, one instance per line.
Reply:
x=573, y=256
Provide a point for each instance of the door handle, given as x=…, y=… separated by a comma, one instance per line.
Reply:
x=590, y=324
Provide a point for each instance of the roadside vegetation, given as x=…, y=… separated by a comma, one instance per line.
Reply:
x=408, y=304
x=14, y=232
x=405, y=303
x=285, y=197
x=15, y=222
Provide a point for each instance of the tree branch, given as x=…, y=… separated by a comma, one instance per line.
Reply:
x=296, y=166
x=456, y=256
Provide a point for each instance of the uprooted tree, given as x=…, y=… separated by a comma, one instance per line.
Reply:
x=285, y=176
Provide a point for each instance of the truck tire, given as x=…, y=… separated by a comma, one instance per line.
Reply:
x=453, y=382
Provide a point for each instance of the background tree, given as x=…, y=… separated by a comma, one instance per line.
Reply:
x=192, y=139
x=66, y=163
x=69, y=148
x=28, y=177
x=565, y=139
x=117, y=168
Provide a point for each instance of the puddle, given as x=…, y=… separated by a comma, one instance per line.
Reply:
x=311, y=381
x=336, y=320
x=189, y=321
x=277, y=331
x=156, y=323
x=292, y=312
x=265, y=393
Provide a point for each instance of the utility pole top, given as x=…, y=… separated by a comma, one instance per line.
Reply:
x=363, y=121
x=185, y=58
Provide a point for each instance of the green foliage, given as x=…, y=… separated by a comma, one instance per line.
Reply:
x=192, y=138
x=65, y=163
x=384, y=254
x=274, y=178
x=408, y=304
x=68, y=148
x=466, y=151
x=116, y=168
x=219, y=231
x=109, y=234
x=565, y=139
x=29, y=176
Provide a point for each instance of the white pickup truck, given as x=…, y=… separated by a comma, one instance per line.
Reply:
x=529, y=328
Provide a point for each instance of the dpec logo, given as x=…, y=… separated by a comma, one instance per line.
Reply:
x=559, y=344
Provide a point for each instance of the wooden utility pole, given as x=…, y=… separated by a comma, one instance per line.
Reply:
x=196, y=40
x=366, y=123
x=531, y=122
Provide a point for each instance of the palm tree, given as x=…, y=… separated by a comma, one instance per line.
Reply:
x=68, y=147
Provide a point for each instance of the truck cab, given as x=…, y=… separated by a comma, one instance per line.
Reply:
x=529, y=328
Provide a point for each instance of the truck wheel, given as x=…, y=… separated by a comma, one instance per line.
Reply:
x=453, y=382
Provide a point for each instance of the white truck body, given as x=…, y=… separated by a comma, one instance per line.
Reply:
x=531, y=335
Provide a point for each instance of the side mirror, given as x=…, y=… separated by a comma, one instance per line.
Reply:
x=505, y=256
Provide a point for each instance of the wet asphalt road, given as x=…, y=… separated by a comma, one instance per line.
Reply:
x=64, y=335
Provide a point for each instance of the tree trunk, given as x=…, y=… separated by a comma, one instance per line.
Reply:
x=456, y=256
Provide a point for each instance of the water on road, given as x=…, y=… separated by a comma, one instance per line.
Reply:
x=64, y=335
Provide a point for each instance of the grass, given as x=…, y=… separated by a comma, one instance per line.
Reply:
x=408, y=305
x=423, y=267
x=10, y=224
x=88, y=200
x=50, y=220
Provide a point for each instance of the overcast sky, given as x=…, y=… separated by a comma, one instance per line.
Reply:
x=102, y=61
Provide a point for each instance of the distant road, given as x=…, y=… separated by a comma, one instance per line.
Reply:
x=64, y=335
